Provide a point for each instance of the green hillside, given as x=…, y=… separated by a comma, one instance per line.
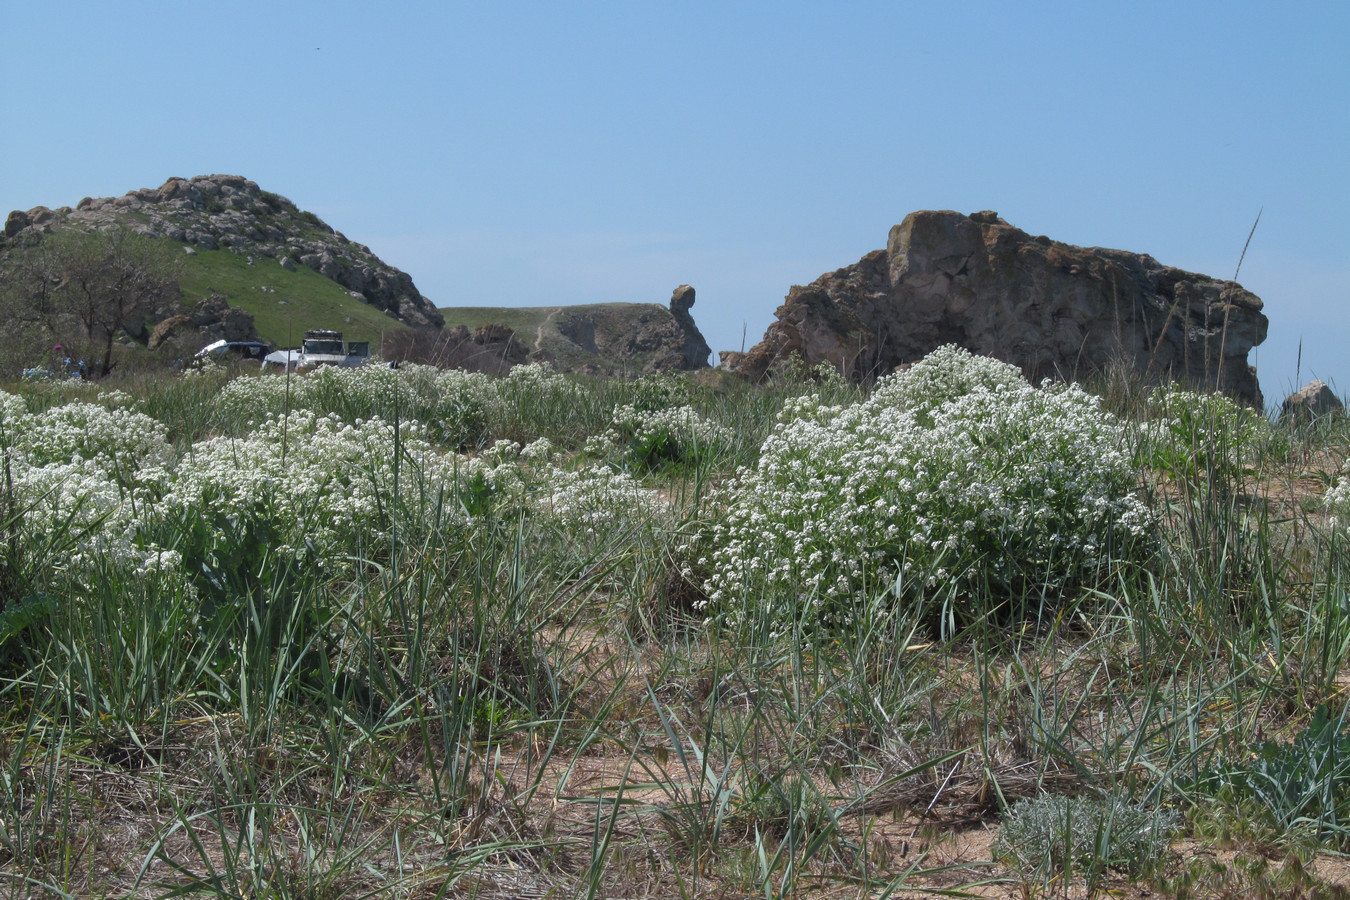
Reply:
x=284, y=304
x=525, y=320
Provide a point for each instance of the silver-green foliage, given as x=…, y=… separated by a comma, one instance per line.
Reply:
x=1051, y=835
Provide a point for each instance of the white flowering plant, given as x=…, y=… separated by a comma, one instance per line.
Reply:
x=654, y=440
x=655, y=392
x=77, y=481
x=452, y=406
x=1200, y=438
x=999, y=498
x=1336, y=501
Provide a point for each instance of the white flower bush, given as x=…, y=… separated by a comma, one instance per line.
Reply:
x=455, y=407
x=79, y=478
x=946, y=374
x=75, y=518
x=653, y=392
x=1199, y=437
x=955, y=479
x=594, y=502
x=308, y=482
x=121, y=442
x=651, y=439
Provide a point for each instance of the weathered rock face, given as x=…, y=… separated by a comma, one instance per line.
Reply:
x=620, y=339
x=489, y=348
x=228, y=211
x=1053, y=309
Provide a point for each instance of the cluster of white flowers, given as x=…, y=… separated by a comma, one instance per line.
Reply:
x=947, y=373
x=363, y=392
x=1337, y=502
x=309, y=481
x=1204, y=436
x=80, y=477
x=652, y=437
x=594, y=502
x=95, y=485
x=538, y=378
x=999, y=484
x=121, y=441
x=455, y=406
x=658, y=391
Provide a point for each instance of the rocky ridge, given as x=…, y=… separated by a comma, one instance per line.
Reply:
x=230, y=212
x=598, y=338
x=616, y=339
x=1055, y=310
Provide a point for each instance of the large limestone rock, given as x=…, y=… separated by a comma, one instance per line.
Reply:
x=1053, y=309
x=211, y=319
x=623, y=339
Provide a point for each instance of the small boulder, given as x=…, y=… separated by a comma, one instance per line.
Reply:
x=17, y=221
x=166, y=329
x=1313, y=401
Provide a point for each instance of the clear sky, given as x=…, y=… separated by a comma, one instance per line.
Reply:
x=549, y=153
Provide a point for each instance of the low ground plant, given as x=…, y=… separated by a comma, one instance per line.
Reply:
x=1302, y=785
x=1052, y=837
x=1203, y=440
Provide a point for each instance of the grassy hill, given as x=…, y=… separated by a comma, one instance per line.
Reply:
x=284, y=304
x=525, y=320
x=234, y=233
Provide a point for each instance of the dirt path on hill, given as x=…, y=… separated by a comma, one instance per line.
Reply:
x=539, y=332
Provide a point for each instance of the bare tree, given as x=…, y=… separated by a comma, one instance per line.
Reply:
x=29, y=276
x=83, y=289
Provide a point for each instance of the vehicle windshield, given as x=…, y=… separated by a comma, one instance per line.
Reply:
x=330, y=347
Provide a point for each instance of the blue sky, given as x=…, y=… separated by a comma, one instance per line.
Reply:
x=540, y=154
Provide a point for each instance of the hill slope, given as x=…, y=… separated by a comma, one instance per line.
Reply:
x=256, y=250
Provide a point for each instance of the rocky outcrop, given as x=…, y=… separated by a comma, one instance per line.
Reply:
x=625, y=338
x=488, y=348
x=230, y=212
x=606, y=338
x=1055, y=310
x=1314, y=400
x=211, y=319
x=695, y=349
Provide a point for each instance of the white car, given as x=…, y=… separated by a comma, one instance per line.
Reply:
x=321, y=348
